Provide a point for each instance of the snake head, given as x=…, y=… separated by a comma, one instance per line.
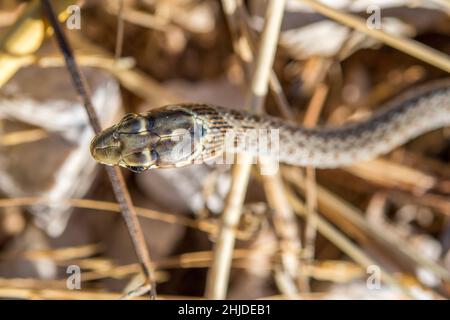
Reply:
x=162, y=138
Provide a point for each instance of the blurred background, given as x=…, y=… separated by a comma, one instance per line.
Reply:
x=389, y=216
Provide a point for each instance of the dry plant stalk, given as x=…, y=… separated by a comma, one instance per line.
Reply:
x=336, y=207
x=201, y=225
x=288, y=275
x=234, y=12
x=132, y=79
x=23, y=136
x=344, y=244
x=311, y=118
x=218, y=275
x=285, y=224
x=393, y=175
x=332, y=206
x=406, y=45
x=58, y=294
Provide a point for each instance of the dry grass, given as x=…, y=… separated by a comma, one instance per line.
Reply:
x=319, y=229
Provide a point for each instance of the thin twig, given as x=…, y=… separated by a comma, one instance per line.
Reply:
x=120, y=31
x=114, y=173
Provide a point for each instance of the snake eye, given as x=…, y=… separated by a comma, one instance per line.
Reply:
x=150, y=122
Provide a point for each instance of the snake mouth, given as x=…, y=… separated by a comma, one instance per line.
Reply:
x=93, y=147
x=106, y=155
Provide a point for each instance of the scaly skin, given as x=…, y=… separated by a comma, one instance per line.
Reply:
x=148, y=140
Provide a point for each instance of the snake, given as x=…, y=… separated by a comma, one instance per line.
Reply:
x=178, y=135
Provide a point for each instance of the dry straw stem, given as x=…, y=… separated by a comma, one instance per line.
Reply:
x=22, y=136
x=218, y=275
x=93, y=56
x=244, y=46
x=288, y=276
x=408, y=46
x=138, y=17
x=336, y=207
x=285, y=224
x=284, y=218
x=333, y=271
x=390, y=174
x=243, y=258
x=311, y=118
x=23, y=38
x=97, y=269
x=444, y=3
x=204, y=226
x=120, y=31
x=56, y=294
x=340, y=241
x=62, y=254
x=121, y=272
x=132, y=79
x=27, y=283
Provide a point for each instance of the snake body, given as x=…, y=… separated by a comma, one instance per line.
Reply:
x=148, y=140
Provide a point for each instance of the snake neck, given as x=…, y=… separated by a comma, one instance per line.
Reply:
x=417, y=111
